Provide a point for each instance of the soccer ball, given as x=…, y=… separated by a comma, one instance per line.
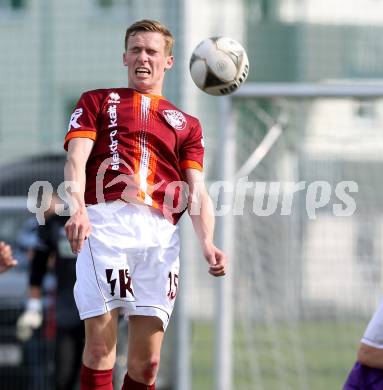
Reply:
x=219, y=65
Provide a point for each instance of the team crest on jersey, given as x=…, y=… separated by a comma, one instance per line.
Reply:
x=175, y=119
x=114, y=98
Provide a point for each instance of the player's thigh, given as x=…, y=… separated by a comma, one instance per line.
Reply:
x=145, y=336
x=102, y=330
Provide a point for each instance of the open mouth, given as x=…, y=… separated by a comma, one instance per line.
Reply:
x=142, y=71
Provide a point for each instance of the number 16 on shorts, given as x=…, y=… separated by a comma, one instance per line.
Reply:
x=124, y=281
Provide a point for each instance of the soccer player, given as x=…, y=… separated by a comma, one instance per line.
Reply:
x=137, y=161
x=6, y=257
x=367, y=373
x=69, y=341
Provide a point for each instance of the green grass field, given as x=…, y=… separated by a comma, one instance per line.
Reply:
x=306, y=356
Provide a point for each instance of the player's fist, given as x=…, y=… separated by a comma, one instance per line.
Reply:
x=78, y=229
x=216, y=258
x=30, y=320
x=6, y=258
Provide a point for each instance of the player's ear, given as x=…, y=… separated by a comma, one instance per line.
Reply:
x=124, y=59
x=169, y=62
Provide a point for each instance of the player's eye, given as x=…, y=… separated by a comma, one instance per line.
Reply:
x=134, y=50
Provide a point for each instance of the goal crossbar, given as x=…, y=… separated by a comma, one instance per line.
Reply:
x=333, y=89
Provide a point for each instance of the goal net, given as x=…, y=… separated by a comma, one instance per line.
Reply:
x=307, y=259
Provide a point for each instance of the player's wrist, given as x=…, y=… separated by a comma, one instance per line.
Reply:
x=78, y=208
x=82, y=210
x=207, y=247
x=207, y=242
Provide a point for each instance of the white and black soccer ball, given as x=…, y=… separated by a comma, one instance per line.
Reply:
x=219, y=65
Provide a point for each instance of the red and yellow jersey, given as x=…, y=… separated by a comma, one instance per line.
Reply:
x=141, y=145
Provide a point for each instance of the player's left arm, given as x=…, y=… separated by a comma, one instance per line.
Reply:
x=201, y=211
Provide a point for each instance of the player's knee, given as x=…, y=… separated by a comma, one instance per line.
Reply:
x=144, y=371
x=98, y=354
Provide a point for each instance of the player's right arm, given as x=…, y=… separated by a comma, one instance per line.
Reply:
x=201, y=212
x=78, y=227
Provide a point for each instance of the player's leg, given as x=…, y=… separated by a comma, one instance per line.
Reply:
x=103, y=284
x=154, y=279
x=99, y=351
x=144, y=346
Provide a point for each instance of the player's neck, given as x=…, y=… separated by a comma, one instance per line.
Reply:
x=148, y=91
x=150, y=94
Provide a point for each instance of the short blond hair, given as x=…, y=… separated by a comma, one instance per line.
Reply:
x=148, y=25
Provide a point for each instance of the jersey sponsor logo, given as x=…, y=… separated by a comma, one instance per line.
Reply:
x=124, y=279
x=115, y=163
x=74, y=118
x=175, y=119
x=112, y=111
x=114, y=98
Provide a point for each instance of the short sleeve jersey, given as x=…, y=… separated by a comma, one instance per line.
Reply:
x=142, y=144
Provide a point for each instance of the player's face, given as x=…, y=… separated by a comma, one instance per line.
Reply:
x=147, y=61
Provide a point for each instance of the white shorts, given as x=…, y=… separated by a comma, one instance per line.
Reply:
x=373, y=335
x=130, y=261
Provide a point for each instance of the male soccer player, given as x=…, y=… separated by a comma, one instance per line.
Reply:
x=69, y=340
x=130, y=152
x=6, y=257
x=367, y=373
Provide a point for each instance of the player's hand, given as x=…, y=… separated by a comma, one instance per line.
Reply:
x=30, y=320
x=78, y=229
x=6, y=258
x=216, y=258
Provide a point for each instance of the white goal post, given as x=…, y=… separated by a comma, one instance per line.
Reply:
x=224, y=353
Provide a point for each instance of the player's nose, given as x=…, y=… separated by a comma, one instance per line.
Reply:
x=142, y=56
